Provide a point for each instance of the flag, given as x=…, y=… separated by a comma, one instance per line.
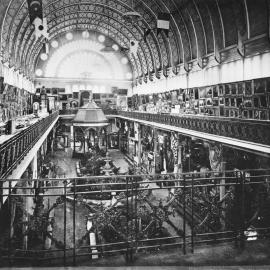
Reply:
x=146, y=32
x=133, y=46
x=35, y=9
x=163, y=23
x=41, y=28
x=38, y=24
x=123, y=49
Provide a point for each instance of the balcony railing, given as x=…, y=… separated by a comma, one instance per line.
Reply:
x=14, y=150
x=248, y=130
x=74, y=111
x=96, y=217
x=68, y=112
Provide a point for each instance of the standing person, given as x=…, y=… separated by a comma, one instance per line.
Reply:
x=36, y=108
x=241, y=108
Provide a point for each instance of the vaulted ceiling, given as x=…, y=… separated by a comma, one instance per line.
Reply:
x=198, y=29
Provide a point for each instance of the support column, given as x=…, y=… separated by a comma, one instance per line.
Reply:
x=12, y=209
x=155, y=148
x=164, y=159
x=25, y=228
x=85, y=147
x=53, y=139
x=46, y=146
x=68, y=141
x=175, y=149
x=28, y=206
x=222, y=192
x=71, y=133
x=139, y=145
x=106, y=140
x=34, y=167
x=119, y=135
x=25, y=214
x=179, y=162
x=119, y=139
x=99, y=137
x=74, y=144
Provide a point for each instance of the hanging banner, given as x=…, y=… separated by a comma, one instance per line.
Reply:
x=163, y=23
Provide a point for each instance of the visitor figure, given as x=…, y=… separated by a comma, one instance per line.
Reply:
x=36, y=108
x=241, y=108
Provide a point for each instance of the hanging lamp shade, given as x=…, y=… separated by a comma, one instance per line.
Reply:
x=90, y=115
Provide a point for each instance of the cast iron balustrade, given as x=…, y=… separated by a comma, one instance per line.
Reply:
x=248, y=130
x=68, y=112
x=74, y=112
x=130, y=214
x=14, y=150
x=110, y=111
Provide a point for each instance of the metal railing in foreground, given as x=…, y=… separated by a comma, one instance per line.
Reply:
x=14, y=150
x=65, y=221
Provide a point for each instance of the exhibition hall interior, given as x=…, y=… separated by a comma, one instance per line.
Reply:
x=134, y=133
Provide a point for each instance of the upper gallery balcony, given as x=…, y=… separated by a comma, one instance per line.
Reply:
x=253, y=132
x=14, y=148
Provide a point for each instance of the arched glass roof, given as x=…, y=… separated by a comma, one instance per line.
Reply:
x=199, y=29
x=83, y=58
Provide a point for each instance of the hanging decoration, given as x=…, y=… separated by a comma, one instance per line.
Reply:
x=146, y=32
x=133, y=46
x=37, y=19
x=35, y=10
x=163, y=23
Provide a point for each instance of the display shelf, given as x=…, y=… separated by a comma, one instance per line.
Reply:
x=245, y=99
x=14, y=102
